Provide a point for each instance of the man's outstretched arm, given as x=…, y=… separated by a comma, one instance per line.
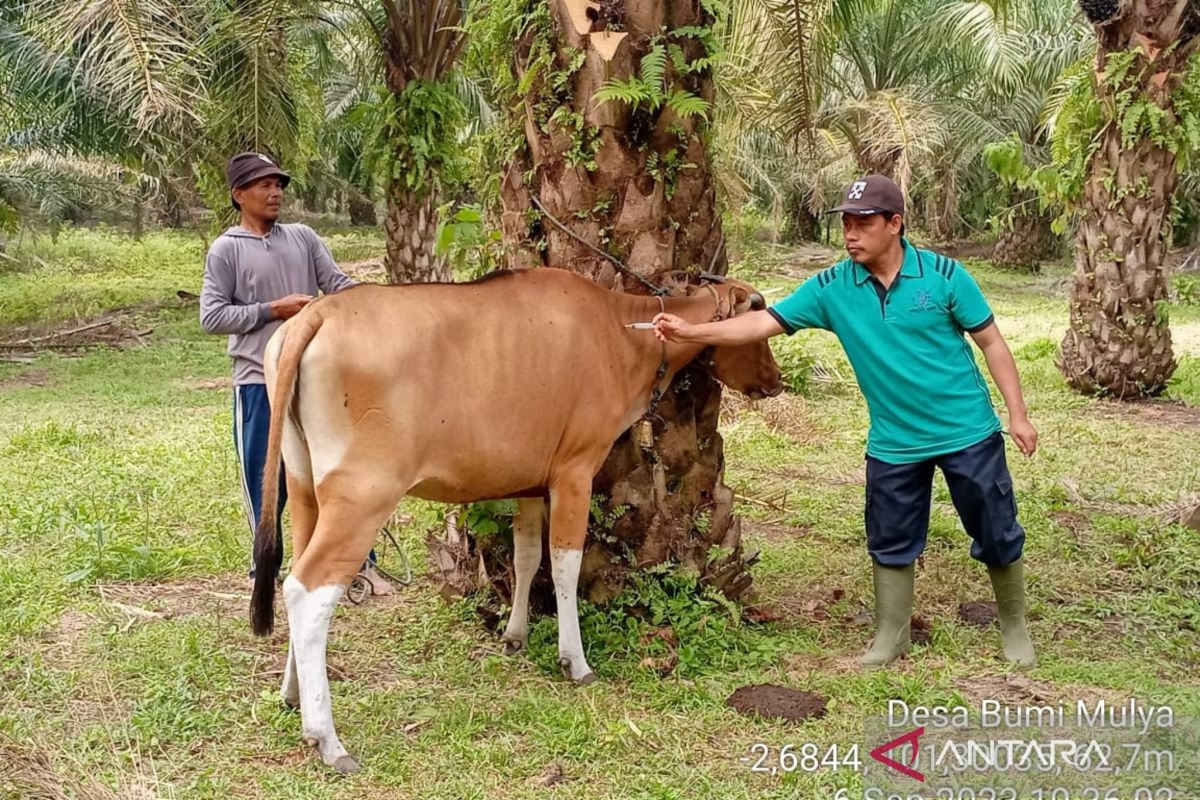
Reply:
x=742, y=329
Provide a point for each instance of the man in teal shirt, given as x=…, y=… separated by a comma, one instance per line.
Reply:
x=902, y=315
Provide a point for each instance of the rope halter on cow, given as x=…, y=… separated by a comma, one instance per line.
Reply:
x=644, y=430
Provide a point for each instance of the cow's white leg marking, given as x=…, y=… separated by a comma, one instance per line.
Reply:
x=309, y=613
x=527, y=556
x=564, y=564
x=290, y=690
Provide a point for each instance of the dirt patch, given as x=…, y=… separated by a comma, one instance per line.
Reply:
x=813, y=605
x=220, y=595
x=33, y=377
x=1073, y=521
x=552, y=775
x=122, y=327
x=774, y=532
x=979, y=613
x=64, y=643
x=785, y=471
x=1163, y=413
x=773, y=502
x=1015, y=689
x=771, y=489
x=222, y=384
x=778, y=702
x=225, y=595
x=785, y=414
x=789, y=416
x=115, y=329
x=1179, y=511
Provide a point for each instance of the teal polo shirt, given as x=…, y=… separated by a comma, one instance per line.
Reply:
x=908, y=348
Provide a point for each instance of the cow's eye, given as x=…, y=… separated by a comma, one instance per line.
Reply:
x=757, y=303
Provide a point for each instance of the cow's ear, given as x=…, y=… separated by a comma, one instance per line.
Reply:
x=739, y=299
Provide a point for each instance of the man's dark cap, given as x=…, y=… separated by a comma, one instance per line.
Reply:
x=872, y=194
x=245, y=168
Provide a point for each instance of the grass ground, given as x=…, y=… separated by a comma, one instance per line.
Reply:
x=127, y=668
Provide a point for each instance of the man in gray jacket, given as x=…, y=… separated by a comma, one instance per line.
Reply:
x=256, y=275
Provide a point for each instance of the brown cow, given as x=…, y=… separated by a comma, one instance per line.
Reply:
x=515, y=385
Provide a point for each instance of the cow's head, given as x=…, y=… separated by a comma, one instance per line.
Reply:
x=748, y=368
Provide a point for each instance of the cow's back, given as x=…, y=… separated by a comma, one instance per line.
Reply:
x=483, y=389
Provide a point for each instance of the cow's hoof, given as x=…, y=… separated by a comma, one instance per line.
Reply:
x=292, y=703
x=513, y=646
x=346, y=765
x=588, y=677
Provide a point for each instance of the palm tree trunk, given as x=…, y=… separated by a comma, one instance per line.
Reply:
x=411, y=222
x=411, y=230
x=361, y=208
x=669, y=501
x=940, y=215
x=800, y=224
x=1025, y=242
x=1119, y=341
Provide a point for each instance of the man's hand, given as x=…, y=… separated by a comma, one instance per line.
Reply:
x=289, y=306
x=1024, y=434
x=670, y=328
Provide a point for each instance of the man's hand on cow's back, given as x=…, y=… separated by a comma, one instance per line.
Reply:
x=286, y=307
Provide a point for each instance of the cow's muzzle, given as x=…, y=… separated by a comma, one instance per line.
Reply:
x=759, y=394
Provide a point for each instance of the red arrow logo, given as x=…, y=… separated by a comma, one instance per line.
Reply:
x=913, y=737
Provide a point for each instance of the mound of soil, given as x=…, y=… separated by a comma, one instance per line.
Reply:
x=919, y=631
x=780, y=702
x=978, y=613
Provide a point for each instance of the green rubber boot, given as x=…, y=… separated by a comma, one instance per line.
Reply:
x=893, y=612
x=1009, y=585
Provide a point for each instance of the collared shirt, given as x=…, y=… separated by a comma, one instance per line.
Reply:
x=908, y=348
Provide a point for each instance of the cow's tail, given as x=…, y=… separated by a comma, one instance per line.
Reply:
x=266, y=544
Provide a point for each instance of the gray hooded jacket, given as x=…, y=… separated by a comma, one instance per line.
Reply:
x=245, y=272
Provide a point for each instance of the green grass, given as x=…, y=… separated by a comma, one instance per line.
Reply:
x=118, y=489
x=82, y=273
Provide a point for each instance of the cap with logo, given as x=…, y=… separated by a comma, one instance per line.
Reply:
x=872, y=194
x=245, y=168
